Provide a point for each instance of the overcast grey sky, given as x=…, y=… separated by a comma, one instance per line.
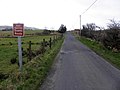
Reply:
x=53, y=13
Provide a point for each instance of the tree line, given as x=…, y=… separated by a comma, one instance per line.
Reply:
x=110, y=37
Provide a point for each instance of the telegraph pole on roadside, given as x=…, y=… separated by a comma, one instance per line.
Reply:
x=84, y=13
x=80, y=27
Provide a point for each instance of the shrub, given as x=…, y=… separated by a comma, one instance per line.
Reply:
x=3, y=76
x=13, y=60
x=46, y=32
x=111, y=40
x=10, y=43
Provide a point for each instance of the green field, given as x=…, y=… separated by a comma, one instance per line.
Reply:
x=10, y=33
x=8, y=51
x=10, y=76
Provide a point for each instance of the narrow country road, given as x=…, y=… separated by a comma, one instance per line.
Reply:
x=79, y=68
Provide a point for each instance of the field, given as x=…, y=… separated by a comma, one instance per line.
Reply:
x=9, y=50
x=27, y=32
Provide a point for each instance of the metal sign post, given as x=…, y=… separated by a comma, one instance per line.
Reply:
x=18, y=32
x=20, y=53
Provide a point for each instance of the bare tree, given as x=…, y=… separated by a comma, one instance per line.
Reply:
x=88, y=30
x=113, y=25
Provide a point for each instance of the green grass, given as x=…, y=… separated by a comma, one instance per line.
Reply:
x=27, y=32
x=33, y=31
x=7, y=51
x=5, y=33
x=112, y=57
x=34, y=72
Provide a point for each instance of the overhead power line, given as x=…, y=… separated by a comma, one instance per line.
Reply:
x=85, y=12
x=89, y=7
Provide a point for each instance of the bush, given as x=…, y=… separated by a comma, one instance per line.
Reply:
x=111, y=39
x=10, y=43
x=46, y=32
x=3, y=76
x=13, y=60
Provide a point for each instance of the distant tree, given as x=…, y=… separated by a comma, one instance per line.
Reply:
x=88, y=30
x=46, y=32
x=84, y=31
x=62, y=29
x=91, y=26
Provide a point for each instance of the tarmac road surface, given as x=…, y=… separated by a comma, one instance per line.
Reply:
x=78, y=68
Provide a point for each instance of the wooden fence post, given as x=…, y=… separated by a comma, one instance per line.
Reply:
x=54, y=39
x=43, y=46
x=50, y=42
x=30, y=51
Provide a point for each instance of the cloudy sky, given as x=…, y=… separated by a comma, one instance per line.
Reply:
x=53, y=13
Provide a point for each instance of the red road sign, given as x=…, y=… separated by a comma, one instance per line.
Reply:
x=18, y=29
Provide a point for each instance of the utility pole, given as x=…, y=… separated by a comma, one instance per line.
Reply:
x=84, y=13
x=80, y=26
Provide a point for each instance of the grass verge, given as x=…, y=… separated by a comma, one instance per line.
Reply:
x=33, y=73
x=112, y=57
